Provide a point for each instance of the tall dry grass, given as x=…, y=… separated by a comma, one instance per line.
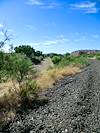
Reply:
x=48, y=78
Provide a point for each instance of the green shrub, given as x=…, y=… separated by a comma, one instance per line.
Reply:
x=56, y=59
x=29, y=89
x=67, y=54
x=73, y=60
x=90, y=55
x=98, y=57
x=19, y=67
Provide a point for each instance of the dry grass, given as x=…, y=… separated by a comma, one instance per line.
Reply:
x=5, y=87
x=44, y=80
x=12, y=100
x=8, y=104
x=48, y=78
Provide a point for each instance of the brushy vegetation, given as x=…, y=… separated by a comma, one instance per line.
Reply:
x=17, y=98
x=35, y=56
x=18, y=67
x=80, y=61
x=15, y=66
x=56, y=59
x=68, y=59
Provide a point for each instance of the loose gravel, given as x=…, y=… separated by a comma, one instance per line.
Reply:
x=73, y=107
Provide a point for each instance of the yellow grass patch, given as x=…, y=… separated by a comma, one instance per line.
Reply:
x=5, y=87
x=45, y=79
x=48, y=78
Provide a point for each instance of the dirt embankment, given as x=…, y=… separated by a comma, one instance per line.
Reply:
x=73, y=107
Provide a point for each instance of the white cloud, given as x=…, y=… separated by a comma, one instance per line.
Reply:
x=34, y=2
x=1, y=25
x=1, y=33
x=56, y=41
x=44, y=4
x=84, y=5
x=31, y=27
x=87, y=7
x=51, y=5
x=59, y=40
x=33, y=43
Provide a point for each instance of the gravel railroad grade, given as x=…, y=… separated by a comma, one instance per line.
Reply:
x=73, y=107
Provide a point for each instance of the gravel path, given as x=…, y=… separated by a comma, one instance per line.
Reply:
x=73, y=107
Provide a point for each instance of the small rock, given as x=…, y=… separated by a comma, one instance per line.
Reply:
x=18, y=123
x=32, y=132
x=66, y=130
x=32, y=119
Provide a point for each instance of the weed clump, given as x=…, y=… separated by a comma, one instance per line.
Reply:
x=15, y=99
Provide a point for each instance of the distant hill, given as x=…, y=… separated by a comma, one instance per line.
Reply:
x=79, y=52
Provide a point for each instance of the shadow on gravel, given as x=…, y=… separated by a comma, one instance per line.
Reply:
x=24, y=109
x=35, y=104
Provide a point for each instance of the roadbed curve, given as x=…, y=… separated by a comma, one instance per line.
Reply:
x=73, y=107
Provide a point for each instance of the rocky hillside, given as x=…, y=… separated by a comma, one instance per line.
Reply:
x=79, y=52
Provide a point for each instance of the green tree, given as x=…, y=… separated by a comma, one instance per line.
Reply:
x=35, y=56
x=67, y=54
x=38, y=53
x=26, y=49
x=19, y=66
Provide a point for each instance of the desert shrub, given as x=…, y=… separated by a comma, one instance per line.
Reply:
x=10, y=101
x=73, y=60
x=98, y=57
x=90, y=55
x=19, y=67
x=15, y=66
x=29, y=89
x=14, y=100
x=56, y=59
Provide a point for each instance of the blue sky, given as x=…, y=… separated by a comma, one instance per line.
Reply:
x=52, y=25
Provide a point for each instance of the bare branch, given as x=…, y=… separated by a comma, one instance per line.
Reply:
x=6, y=37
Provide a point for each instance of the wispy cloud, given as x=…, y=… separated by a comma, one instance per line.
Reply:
x=11, y=31
x=57, y=41
x=34, y=2
x=52, y=5
x=86, y=7
x=30, y=27
x=44, y=4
